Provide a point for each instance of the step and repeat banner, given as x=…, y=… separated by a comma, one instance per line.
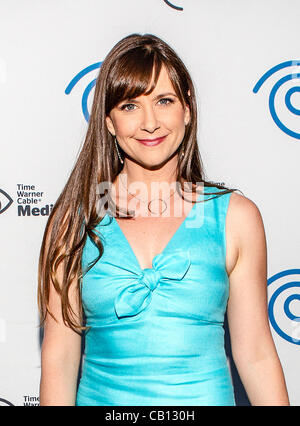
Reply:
x=244, y=59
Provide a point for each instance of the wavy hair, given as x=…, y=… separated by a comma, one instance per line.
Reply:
x=125, y=73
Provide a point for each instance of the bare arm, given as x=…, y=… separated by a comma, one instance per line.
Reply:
x=60, y=359
x=253, y=349
x=60, y=356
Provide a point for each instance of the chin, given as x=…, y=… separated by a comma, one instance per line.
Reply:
x=153, y=163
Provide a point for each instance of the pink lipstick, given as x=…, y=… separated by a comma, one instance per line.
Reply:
x=151, y=142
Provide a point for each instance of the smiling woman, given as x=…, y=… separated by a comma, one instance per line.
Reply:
x=150, y=120
x=149, y=292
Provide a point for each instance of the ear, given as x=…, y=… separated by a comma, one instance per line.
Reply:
x=187, y=115
x=110, y=125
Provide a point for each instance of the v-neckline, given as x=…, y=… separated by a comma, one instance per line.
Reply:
x=175, y=234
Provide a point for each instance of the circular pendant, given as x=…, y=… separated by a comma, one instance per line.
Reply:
x=159, y=199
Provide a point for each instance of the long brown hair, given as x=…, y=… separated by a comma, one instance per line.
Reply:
x=125, y=73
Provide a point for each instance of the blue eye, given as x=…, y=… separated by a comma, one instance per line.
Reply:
x=169, y=100
x=126, y=105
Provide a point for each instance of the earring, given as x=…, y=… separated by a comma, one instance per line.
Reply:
x=118, y=152
x=182, y=154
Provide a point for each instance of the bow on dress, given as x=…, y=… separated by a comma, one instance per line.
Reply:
x=135, y=297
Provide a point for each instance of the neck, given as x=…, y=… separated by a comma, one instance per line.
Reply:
x=136, y=173
x=134, y=177
x=146, y=184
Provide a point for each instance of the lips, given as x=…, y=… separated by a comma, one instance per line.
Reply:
x=151, y=142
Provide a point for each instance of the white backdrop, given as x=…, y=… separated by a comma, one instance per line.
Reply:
x=248, y=139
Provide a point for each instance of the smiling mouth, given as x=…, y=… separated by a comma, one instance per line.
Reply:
x=151, y=142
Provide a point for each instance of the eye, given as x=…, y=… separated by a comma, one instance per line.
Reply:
x=167, y=102
x=171, y=101
x=123, y=107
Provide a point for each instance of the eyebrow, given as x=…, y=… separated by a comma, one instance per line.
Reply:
x=162, y=95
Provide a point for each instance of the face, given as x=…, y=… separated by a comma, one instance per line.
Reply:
x=147, y=118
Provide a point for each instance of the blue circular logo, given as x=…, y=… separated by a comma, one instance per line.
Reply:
x=87, y=90
x=173, y=5
x=282, y=318
x=278, y=85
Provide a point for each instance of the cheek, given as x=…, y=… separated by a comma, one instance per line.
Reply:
x=175, y=120
x=125, y=126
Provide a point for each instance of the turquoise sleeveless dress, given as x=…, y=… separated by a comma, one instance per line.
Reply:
x=157, y=335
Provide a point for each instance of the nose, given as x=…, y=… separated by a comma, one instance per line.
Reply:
x=149, y=121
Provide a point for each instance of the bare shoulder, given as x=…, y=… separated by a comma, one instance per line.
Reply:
x=244, y=213
x=245, y=227
x=240, y=205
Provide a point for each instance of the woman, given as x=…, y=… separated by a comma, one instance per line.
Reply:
x=149, y=289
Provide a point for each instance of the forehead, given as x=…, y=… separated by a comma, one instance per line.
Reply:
x=164, y=83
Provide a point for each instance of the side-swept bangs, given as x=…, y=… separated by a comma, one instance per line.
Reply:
x=131, y=75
